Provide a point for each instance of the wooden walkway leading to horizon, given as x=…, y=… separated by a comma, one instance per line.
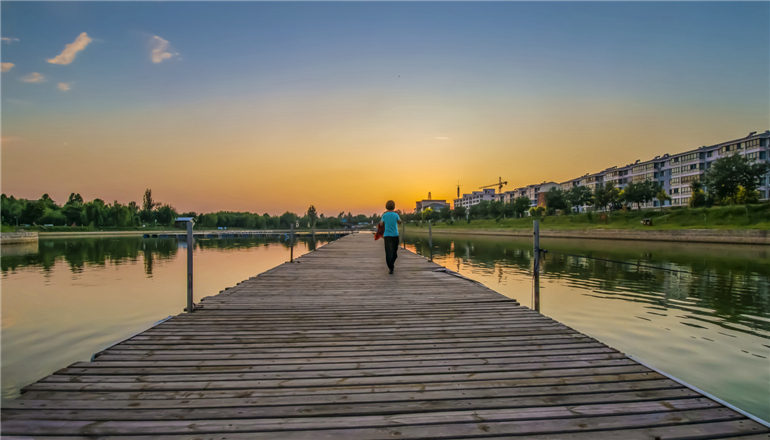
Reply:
x=332, y=347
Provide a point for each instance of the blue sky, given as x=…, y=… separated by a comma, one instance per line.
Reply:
x=259, y=79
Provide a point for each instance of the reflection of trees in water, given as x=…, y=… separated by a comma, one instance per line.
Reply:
x=717, y=285
x=81, y=252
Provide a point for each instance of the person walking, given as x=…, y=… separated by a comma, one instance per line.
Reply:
x=390, y=220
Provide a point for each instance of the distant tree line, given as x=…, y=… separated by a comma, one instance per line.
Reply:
x=96, y=213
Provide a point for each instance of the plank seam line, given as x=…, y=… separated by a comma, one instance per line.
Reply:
x=96, y=355
x=762, y=422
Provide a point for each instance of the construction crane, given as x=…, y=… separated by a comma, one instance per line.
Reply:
x=500, y=184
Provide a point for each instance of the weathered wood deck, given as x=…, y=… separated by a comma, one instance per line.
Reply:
x=333, y=347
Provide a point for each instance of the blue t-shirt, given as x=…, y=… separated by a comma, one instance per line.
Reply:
x=390, y=219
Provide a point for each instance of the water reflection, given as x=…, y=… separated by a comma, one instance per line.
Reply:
x=64, y=299
x=94, y=251
x=705, y=320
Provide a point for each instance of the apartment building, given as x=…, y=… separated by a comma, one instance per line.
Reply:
x=535, y=193
x=675, y=172
x=476, y=197
x=686, y=167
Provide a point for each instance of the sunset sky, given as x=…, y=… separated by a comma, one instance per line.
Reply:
x=267, y=107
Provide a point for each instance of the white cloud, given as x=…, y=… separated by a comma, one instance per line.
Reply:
x=9, y=40
x=442, y=138
x=4, y=67
x=68, y=54
x=160, y=50
x=33, y=77
x=63, y=87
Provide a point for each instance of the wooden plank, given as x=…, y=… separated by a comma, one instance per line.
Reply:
x=637, y=390
x=383, y=414
x=458, y=424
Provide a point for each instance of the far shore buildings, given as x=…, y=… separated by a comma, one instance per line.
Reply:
x=468, y=200
x=435, y=205
x=674, y=171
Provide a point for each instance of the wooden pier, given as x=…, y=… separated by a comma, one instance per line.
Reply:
x=332, y=347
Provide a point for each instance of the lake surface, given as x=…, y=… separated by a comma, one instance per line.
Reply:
x=707, y=324
x=65, y=299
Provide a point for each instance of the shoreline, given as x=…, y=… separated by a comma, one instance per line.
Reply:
x=731, y=236
x=175, y=232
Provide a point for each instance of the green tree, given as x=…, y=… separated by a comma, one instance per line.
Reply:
x=445, y=213
x=698, y=197
x=148, y=205
x=649, y=189
x=662, y=197
x=165, y=215
x=612, y=195
x=74, y=214
x=728, y=174
x=521, y=205
x=209, y=220
x=745, y=197
x=633, y=194
x=312, y=215
x=480, y=210
x=555, y=199
x=536, y=211
x=459, y=211
x=580, y=196
x=74, y=199
x=96, y=212
x=496, y=209
x=426, y=214
x=288, y=218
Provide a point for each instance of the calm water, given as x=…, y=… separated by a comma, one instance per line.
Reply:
x=65, y=299
x=709, y=326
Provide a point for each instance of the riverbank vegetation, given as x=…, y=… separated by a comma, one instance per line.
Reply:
x=76, y=214
x=717, y=217
x=725, y=196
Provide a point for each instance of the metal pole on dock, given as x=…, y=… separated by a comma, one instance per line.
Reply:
x=403, y=234
x=291, y=245
x=430, y=239
x=536, y=271
x=190, y=239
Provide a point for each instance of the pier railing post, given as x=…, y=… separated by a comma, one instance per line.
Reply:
x=403, y=234
x=430, y=239
x=536, y=270
x=291, y=244
x=190, y=245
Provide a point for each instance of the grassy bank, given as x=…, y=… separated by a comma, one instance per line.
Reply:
x=722, y=217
